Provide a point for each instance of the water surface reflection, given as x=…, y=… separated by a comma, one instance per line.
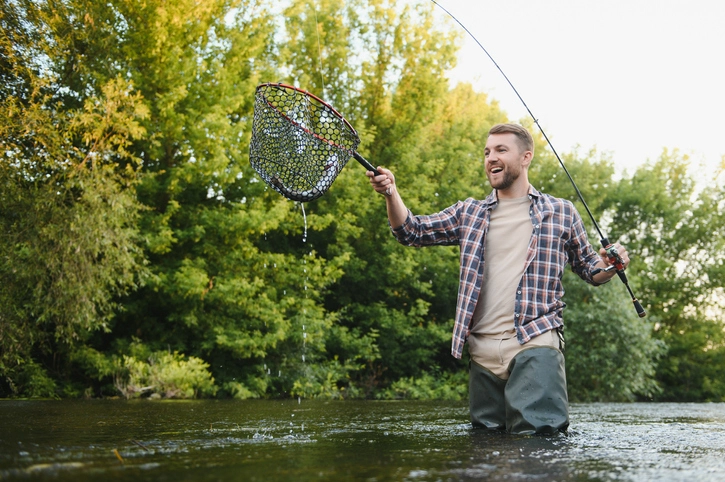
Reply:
x=376, y=441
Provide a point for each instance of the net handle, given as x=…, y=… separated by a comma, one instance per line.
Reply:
x=364, y=162
x=355, y=154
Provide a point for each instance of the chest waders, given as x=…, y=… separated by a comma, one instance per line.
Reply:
x=532, y=401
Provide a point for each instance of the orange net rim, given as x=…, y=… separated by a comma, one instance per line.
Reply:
x=324, y=104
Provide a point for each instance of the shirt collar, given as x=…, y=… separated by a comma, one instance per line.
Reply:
x=492, y=199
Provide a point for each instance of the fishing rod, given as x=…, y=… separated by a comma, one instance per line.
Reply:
x=614, y=257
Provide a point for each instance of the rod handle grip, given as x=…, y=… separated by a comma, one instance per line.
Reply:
x=365, y=163
x=638, y=307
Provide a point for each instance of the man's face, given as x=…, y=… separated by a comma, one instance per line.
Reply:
x=504, y=160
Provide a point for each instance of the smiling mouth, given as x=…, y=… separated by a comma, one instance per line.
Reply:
x=496, y=170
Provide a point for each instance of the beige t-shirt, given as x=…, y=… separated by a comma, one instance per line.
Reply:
x=507, y=242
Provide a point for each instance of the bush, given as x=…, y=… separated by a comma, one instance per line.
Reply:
x=450, y=386
x=164, y=375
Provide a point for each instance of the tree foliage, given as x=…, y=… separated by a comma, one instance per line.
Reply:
x=674, y=227
x=69, y=243
x=141, y=254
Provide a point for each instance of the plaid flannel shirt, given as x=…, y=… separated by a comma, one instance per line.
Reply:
x=558, y=238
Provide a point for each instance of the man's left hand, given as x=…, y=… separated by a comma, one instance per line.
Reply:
x=621, y=255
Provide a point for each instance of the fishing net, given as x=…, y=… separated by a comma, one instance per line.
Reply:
x=299, y=142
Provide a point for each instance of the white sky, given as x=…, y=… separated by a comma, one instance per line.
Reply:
x=629, y=77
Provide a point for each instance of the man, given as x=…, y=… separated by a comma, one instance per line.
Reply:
x=514, y=246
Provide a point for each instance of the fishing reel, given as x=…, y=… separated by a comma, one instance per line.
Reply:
x=617, y=263
x=615, y=260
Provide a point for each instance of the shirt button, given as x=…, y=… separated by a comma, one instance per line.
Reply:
x=517, y=315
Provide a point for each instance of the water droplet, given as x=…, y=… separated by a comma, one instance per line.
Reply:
x=304, y=216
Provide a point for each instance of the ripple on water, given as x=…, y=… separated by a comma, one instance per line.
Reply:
x=417, y=441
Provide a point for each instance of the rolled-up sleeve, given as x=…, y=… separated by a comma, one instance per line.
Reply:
x=440, y=229
x=582, y=256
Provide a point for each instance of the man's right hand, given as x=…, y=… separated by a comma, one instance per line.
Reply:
x=385, y=185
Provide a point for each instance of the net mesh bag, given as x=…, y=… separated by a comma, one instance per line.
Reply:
x=299, y=143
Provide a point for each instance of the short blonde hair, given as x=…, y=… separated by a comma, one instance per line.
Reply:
x=523, y=137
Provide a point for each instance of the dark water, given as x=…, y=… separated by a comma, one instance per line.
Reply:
x=367, y=441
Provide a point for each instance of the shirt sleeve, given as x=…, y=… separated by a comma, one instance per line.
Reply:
x=582, y=256
x=440, y=229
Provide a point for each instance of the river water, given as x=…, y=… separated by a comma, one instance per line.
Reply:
x=351, y=440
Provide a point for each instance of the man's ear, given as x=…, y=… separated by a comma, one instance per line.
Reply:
x=528, y=157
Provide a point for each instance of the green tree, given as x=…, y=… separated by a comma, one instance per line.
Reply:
x=385, y=329
x=611, y=354
x=68, y=239
x=219, y=290
x=673, y=226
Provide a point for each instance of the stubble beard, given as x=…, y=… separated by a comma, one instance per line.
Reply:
x=508, y=180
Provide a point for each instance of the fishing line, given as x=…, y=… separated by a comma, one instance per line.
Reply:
x=536, y=121
x=611, y=251
x=319, y=49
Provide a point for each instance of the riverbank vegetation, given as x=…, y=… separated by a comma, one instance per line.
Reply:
x=140, y=254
